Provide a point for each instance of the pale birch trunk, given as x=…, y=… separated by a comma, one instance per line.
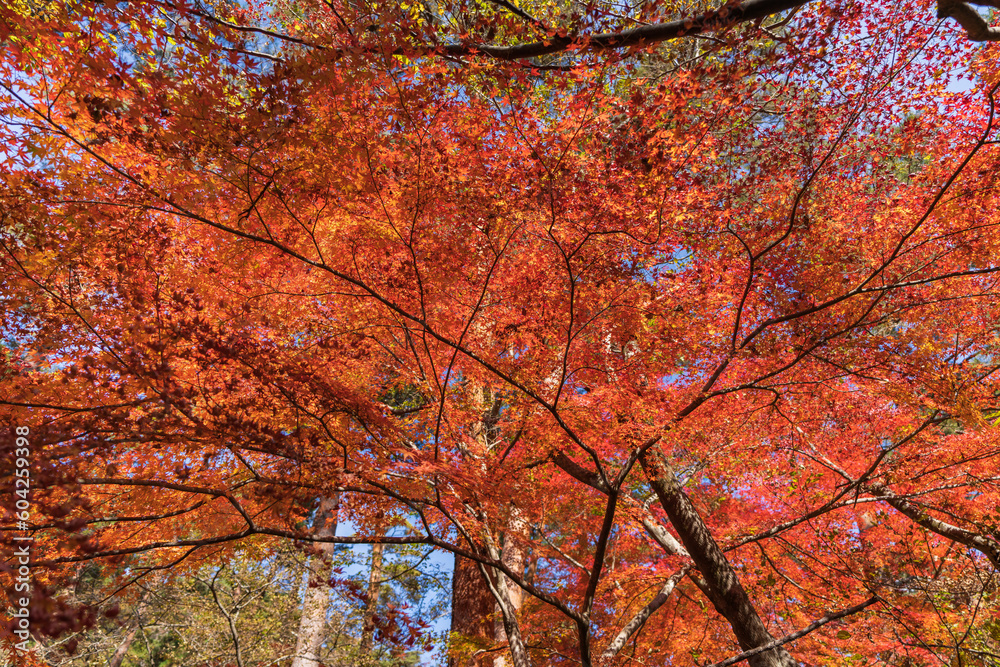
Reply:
x=316, y=602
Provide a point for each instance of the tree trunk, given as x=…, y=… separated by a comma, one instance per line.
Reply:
x=123, y=647
x=476, y=619
x=722, y=586
x=514, y=557
x=374, y=588
x=471, y=616
x=312, y=624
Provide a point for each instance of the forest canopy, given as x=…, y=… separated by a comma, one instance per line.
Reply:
x=624, y=333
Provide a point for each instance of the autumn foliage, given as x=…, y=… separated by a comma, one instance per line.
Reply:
x=685, y=347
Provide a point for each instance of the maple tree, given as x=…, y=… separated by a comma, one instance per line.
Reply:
x=687, y=353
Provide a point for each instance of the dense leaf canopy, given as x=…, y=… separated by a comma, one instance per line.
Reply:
x=675, y=323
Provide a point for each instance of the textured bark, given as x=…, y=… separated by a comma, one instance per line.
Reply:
x=512, y=632
x=472, y=607
x=312, y=624
x=472, y=604
x=484, y=611
x=374, y=588
x=514, y=556
x=722, y=586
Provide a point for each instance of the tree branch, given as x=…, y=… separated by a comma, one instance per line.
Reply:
x=976, y=27
x=726, y=16
x=723, y=587
x=637, y=621
x=818, y=623
x=990, y=548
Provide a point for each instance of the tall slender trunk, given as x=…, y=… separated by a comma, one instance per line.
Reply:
x=374, y=588
x=476, y=617
x=312, y=623
x=471, y=611
x=514, y=556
